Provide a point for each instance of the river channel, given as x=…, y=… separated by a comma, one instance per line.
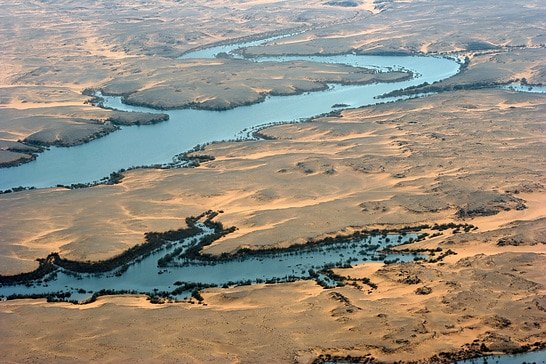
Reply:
x=158, y=144
x=167, y=271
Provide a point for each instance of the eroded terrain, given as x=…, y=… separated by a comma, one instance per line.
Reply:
x=470, y=154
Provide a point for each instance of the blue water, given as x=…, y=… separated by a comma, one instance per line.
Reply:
x=158, y=144
x=145, y=276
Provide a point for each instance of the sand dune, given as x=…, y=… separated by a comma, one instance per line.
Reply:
x=466, y=155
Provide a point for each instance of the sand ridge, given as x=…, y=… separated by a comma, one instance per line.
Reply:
x=300, y=321
x=465, y=155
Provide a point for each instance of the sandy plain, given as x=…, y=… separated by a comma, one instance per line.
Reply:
x=473, y=155
x=53, y=51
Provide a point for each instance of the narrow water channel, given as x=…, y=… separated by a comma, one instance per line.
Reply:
x=168, y=271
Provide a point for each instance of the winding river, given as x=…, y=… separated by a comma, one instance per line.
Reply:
x=158, y=144
x=168, y=272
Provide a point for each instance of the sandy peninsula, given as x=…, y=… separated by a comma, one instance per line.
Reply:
x=131, y=50
x=472, y=153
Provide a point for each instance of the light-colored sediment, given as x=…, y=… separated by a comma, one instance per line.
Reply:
x=397, y=164
x=462, y=156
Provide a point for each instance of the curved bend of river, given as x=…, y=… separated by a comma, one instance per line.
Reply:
x=158, y=144
x=168, y=271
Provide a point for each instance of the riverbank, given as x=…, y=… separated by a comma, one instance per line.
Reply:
x=60, y=128
x=424, y=160
x=16, y=153
x=467, y=156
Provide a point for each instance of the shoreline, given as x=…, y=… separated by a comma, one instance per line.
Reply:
x=155, y=241
x=468, y=158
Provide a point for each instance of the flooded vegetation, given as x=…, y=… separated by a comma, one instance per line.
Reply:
x=172, y=264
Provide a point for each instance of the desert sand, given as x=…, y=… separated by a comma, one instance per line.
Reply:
x=52, y=52
x=470, y=154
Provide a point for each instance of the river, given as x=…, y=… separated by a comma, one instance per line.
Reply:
x=149, y=275
x=158, y=144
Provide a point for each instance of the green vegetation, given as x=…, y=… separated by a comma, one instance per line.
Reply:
x=17, y=189
x=153, y=242
x=360, y=242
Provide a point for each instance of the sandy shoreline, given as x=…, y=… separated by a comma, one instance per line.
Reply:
x=491, y=291
x=462, y=156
